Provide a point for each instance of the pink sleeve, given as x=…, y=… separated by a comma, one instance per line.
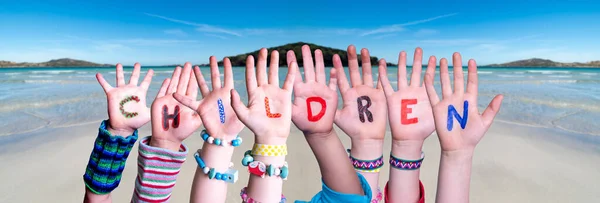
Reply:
x=421, y=190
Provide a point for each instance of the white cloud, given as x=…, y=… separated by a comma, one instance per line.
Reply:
x=176, y=32
x=199, y=26
x=425, y=32
x=400, y=27
x=384, y=36
x=217, y=36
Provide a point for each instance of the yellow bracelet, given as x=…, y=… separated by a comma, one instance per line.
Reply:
x=369, y=171
x=269, y=150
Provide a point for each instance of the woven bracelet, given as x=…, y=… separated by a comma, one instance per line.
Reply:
x=366, y=165
x=404, y=164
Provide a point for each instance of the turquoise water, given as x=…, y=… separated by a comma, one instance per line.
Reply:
x=35, y=98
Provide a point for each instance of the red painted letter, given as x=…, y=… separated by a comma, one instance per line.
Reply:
x=405, y=111
x=268, y=110
x=310, y=113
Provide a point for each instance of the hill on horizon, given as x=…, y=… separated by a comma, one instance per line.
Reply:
x=538, y=62
x=63, y=62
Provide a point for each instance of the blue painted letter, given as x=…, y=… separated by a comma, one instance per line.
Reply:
x=462, y=120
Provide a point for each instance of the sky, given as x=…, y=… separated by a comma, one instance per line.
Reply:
x=158, y=32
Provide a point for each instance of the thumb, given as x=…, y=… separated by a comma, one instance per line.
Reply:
x=490, y=112
x=240, y=109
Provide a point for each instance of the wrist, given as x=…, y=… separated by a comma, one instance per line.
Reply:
x=270, y=140
x=458, y=155
x=116, y=130
x=367, y=149
x=164, y=143
x=407, y=149
x=317, y=135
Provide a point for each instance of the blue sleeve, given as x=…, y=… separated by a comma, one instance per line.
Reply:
x=327, y=195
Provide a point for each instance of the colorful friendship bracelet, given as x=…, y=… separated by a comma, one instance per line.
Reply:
x=157, y=172
x=107, y=160
x=366, y=165
x=379, y=196
x=269, y=150
x=247, y=199
x=261, y=169
x=221, y=142
x=230, y=176
x=404, y=164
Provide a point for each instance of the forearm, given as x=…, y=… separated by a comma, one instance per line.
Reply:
x=91, y=197
x=337, y=174
x=368, y=150
x=403, y=185
x=454, y=178
x=219, y=158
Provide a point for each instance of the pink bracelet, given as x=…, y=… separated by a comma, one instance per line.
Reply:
x=247, y=199
x=379, y=196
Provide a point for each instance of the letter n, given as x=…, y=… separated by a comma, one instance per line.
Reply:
x=461, y=119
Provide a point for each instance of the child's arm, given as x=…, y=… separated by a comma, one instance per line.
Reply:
x=315, y=104
x=363, y=116
x=162, y=154
x=411, y=122
x=268, y=115
x=459, y=127
x=127, y=112
x=221, y=124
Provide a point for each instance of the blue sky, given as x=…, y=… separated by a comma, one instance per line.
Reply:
x=168, y=32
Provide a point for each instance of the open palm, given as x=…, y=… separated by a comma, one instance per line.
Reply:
x=368, y=123
x=172, y=122
x=319, y=120
x=127, y=110
x=269, y=109
x=219, y=124
x=409, y=110
x=461, y=130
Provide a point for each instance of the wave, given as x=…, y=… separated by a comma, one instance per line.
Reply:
x=519, y=72
x=51, y=71
x=510, y=76
x=546, y=72
x=560, y=104
x=13, y=73
x=560, y=76
x=589, y=73
x=485, y=72
x=41, y=76
x=22, y=105
x=82, y=72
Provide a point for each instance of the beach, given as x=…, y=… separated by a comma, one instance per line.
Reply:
x=543, y=147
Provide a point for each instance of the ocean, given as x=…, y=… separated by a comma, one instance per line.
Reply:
x=32, y=99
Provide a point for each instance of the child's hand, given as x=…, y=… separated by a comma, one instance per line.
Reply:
x=269, y=109
x=215, y=108
x=457, y=128
x=409, y=110
x=363, y=116
x=127, y=110
x=172, y=122
x=313, y=94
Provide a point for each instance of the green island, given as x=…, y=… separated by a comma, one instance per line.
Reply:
x=63, y=62
x=538, y=62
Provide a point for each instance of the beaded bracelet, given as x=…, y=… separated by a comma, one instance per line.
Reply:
x=222, y=142
x=230, y=176
x=403, y=164
x=247, y=199
x=366, y=165
x=269, y=150
x=261, y=169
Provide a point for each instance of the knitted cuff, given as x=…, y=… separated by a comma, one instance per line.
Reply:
x=157, y=172
x=107, y=161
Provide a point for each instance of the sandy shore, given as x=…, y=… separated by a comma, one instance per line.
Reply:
x=512, y=164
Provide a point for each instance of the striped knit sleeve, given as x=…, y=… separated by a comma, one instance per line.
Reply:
x=157, y=172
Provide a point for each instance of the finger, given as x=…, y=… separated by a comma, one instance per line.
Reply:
x=187, y=101
x=192, y=88
x=184, y=79
x=250, y=75
x=367, y=72
x=147, y=79
x=402, y=79
x=445, y=79
x=383, y=78
x=174, y=80
x=163, y=88
x=472, y=78
x=490, y=112
x=274, y=68
x=333, y=79
x=291, y=76
x=228, y=73
x=429, y=77
x=307, y=60
x=341, y=75
x=459, y=84
x=135, y=75
x=201, y=82
x=215, y=76
x=120, y=76
x=240, y=109
x=261, y=67
x=320, y=67
x=353, y=66
x=415, y=78
x=105, y=86
x=291, y=57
